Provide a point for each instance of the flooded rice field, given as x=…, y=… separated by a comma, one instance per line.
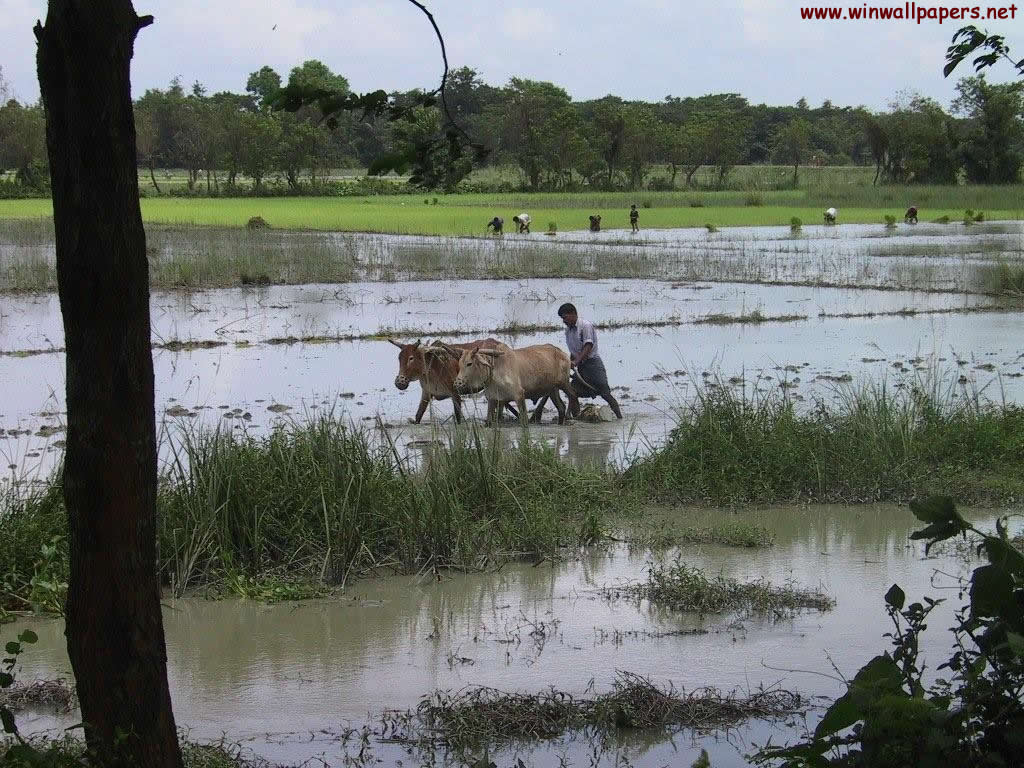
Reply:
x=246, y=357
x=926, y=257
x=759, y=310
x=290, y=681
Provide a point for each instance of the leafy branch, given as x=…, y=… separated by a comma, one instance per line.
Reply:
x=972, y=39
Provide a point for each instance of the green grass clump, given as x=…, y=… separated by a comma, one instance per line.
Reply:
x=731, y=534
x=1000, y=278
x=876, y=444
x=317, y=499
x=311, y=505
x=70, y=752
x=795, y=225
x=680, y=587
x=33, y=549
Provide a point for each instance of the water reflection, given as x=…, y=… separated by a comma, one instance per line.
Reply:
x=250, y=669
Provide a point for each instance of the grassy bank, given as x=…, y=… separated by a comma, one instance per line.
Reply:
x=68, y=751
x=876, y=443
x=320, y=503
x=311, y=505
x=468, y=214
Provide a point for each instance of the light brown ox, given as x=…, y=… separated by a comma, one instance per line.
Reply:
x=505, y=374
x=435, y=369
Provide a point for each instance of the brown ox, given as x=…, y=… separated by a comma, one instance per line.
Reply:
x=435, y=370
x=505, y=374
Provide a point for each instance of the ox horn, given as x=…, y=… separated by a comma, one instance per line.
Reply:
x=417, y=344
x=395, y=343
x=491, y=352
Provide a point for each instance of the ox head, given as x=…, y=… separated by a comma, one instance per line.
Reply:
x=410, y=363
x=475, y=368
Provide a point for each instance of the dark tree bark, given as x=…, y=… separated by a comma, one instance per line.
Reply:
x=152, y=174
x=114, y=627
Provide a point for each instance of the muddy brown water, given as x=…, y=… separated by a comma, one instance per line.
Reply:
x=286, y=679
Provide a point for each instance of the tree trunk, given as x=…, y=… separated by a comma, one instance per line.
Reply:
x=152, y=175
x=114, y=627
x=207, y=181
x=796, y=167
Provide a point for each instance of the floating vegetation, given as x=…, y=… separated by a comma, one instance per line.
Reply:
x=730, y=534
x=680, y=587
x=39, y=694
x=751, y=317
x=487, y=716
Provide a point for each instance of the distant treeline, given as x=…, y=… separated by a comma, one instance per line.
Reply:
x=557, y=143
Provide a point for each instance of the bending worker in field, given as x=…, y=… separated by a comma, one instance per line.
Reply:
x=590, y=379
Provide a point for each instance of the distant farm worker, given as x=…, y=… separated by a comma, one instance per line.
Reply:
x=830, y=215
x=523, y=220
x=496, y=224
x=590, y=379
x=911, y=215
x=595, y=223
x=634, y=216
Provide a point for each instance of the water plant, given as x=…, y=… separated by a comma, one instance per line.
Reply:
x=870, y=442
x=893, y=713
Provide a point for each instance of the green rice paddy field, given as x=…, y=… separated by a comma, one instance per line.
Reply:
x=468, y=213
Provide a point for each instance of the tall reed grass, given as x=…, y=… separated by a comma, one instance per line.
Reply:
x=874, y=443
x=322, y=502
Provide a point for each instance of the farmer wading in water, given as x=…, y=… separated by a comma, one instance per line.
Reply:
x=590, y=379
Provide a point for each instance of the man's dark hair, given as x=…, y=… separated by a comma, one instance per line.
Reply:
x=566, y=308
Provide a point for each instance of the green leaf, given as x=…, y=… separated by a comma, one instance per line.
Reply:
x=28, y=636
x=1000, y=552
x=934, y=509
x=7, y=718
x=879, y=677
x=1016, y=643
x=843, y=713
x=935, y=533
x=991, y=592
x=895, y=597
x=13, y=648
x=26, y=754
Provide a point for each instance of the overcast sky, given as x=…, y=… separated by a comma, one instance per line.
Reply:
x=645, y=49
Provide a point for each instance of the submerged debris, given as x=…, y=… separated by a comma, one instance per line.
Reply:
x=54, y=694
x=482, y=715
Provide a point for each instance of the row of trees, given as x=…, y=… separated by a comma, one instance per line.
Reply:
x=556, y=142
